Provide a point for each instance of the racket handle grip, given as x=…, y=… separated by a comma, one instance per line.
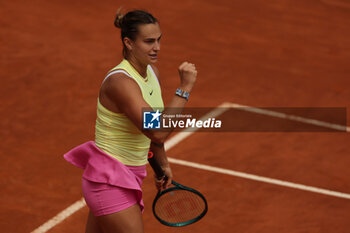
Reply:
x=155, y=166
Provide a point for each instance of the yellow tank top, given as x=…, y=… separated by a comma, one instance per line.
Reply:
x=115, y=134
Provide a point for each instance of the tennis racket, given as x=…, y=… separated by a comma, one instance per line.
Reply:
x=178, y=205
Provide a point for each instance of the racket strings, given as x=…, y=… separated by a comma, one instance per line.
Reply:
x=179, y=206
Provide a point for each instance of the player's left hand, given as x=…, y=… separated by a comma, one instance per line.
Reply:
x=164, y=182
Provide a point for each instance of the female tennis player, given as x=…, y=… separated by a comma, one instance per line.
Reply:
x=115, y=163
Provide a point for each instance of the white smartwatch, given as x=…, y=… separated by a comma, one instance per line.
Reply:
x=182, y=93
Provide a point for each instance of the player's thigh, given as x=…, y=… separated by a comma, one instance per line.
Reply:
x=125, y=221
x=91, y=224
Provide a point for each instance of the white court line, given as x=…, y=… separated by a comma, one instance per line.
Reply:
x=260, y=178
x=61, y=216
x=291, y=117
x=184, y=134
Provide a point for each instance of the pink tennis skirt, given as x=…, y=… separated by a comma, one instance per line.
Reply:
x=108, y=185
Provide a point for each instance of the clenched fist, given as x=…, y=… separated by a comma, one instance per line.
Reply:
x=188, y=75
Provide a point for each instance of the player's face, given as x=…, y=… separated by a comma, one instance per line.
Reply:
x=147, y=44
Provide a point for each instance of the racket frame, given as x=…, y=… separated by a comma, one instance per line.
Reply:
x=160, y=175
x=178, y=186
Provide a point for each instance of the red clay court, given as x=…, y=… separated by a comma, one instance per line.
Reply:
x=55, y=54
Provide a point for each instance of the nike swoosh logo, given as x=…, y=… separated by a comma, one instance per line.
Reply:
x=151, y=92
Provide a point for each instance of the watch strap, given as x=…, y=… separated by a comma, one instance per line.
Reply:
x=182, y=93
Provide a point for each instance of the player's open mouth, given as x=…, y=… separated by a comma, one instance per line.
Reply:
x=153, y=56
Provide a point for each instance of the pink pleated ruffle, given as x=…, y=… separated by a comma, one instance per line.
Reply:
x=100, y=167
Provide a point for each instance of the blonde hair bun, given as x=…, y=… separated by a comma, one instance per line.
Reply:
x=118, y=20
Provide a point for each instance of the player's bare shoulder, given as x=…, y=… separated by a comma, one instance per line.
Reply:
x=118, y=82
x=118, y=90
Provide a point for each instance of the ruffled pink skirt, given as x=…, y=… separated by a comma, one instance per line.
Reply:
x=108, y=185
